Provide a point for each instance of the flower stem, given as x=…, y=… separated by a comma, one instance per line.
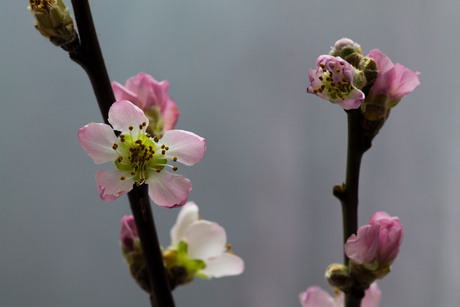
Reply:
x=89, y=56
x=347, y=193
x=140, y=206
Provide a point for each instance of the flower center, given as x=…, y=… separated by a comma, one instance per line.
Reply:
x=140, y=155
x=333, y=81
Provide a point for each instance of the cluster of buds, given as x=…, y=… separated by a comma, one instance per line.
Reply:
x=53, y=21
x=372, y=82
x=371, y=252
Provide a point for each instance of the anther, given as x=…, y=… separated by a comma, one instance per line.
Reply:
x=163, y=146
x=163, y=152
x=144, y=124
x=131, y=128
x=175, y=159
x=155, y=138
x=158, y=170
x=166, y=147
x=133, y=173
x=228, y=246
x=115, y=146
x=174, y=168
x=122, y=177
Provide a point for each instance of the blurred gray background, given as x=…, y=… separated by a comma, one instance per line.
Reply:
x=238, y=72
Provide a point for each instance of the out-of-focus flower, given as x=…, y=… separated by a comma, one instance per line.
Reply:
x=138, y=157
x=317, y=297
x=332, y=80
x=199, y=248
x=53, y=21
x=376, y=244
x=132, y=252
x=393, y=81
x=151, y=97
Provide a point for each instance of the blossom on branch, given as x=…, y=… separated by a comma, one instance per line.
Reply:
x=317, y=297
x=151, y=97
x=140, y=158
x=376, y=244
x=332, y=80
x=199, y=248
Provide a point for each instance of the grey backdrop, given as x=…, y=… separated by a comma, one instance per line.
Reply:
x=238, y=71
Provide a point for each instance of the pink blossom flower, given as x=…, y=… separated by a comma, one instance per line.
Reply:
x=377, y=244
x=138, y=157
x=202, y=246
x=393, y=81
x=151, y=97
x=128, y=232
x=317, y=297
x=333, y=81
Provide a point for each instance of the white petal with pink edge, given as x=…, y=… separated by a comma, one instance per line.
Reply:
x=187, y=215
x=97, y=140
x=188, y=147
x=123, y=114
x=205, y=240
x=168, y=190
x=111, y=186
x=224, y=265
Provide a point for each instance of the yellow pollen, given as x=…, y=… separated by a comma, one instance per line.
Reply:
x=133, y=173
x=166, y=147
x=148, y=135
x=155, y=138
x=175, y=159
x=229, y=246
x=122, y=177
x=230, y=253
x=138, y=183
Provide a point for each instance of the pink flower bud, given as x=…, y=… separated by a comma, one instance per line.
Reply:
x=377, y=244
x=317, y=297
x=128, y=232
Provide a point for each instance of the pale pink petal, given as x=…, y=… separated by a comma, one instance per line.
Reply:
x=378, y=217
x=97, y=140
x=372, y=296
x=205, y=240
x=403, y=81
x=187, y=215
x=122, y=93
x=110, y=185
x=171, y=115
x=169, y=190
x=123, y=114
x=316, y=297
x=188, y=147
x=363, y=247
x=224, y=265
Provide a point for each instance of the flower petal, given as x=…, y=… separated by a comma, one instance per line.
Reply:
x=316, y=297
x=205, y=240
x=123, y=114
x=372, y=296
x=363, y=247
x=110, y=185
x=169, y=190
x=224, y=265
x=97, y=140
x=171, y=114
x=382, y=60
x=150, y=93
x=122, y=93
x=187, y=215
x=188, y=147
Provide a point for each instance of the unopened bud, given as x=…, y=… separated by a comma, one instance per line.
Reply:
x=338, y=275
x=345, y=47
x=53, y=21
